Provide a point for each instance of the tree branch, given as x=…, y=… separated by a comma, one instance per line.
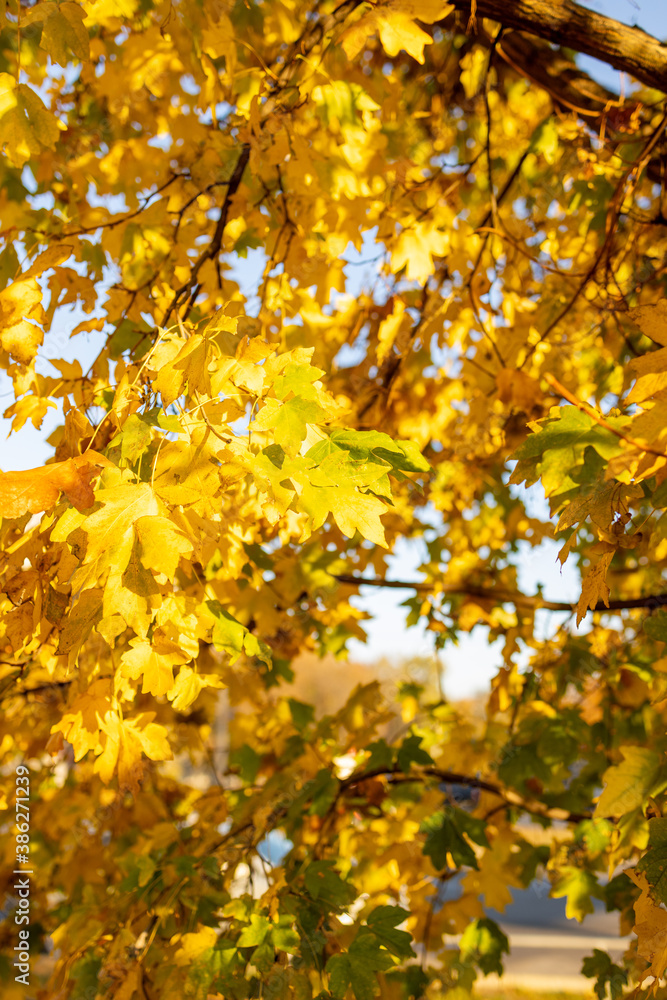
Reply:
x=510, y=798
x=213, y=249
x=311, y=36
x=628, y=49
x=571, y=89
x=500, y=596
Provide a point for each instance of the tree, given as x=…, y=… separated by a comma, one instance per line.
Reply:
x=240, y=444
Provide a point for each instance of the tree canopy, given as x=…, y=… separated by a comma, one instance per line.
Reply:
x=337, y=275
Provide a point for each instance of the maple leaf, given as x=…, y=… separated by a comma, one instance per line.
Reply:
x=188, y=686
x=578, y=887
x=629, y=784
x=594, y=587
x=83, y=616
x=154, y=662
x=80, y=726
x=162, y=544
x=651, y=373
x=395, y=22
x=494, y=876
x=652, y=320
x=26, y=126
x=20, y=312
x=416, y=248
x=484, y=940
x=123, y=741
x=194, y=944
x=130, y=591
x=351, y=510
x=556, y=450
x=650, y=928
x=188, y=366
x=63, y=31
x=51, y=257
x=110, y=530
x=652, y=865
x=519, y=388
x=36, y=490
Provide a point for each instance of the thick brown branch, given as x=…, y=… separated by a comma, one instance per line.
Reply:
x=569, y=86
x=499, y=596
x=510, y=798
x=571, y=89
x=563, y=22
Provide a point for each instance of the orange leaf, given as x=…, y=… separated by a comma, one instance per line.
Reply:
x=35, y=490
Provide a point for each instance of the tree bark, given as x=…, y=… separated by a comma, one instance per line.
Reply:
x=564, y=22
x=499, y=596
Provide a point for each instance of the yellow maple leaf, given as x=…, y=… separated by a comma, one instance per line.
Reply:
x=652, y=320
x=629, y=783
x=154, y=662
x=27, y=127
x=63, y=31
x=352, y=511
x=32, y=408
x=415, y=249
x=161, y=544
x=123, y=741
x=188, y=686
x=81, y=725
x=23, y=298
x=388, y=330
x=51, y=257
x=188, y=367
x=129, y=592
x=76, y=627
x=395, y=23
x=519, y=389
x=594, y=585
x=22, y=341
x=20, y=311
x=651, y=372
x=110, y=530
x=494, y=876
x=186, y=689
x=650, y=928
x=194, y=944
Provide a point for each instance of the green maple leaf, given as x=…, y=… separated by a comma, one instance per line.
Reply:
x=484, y=943
x=291, y=425
x=557, y=447
x=600, y=966
x=134, y=438
x=577, y=885
x=325, y=884
x=358, y=966
x=411, y=752
x=443, y=838
x=255, y=934
x=382, y=922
